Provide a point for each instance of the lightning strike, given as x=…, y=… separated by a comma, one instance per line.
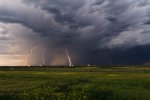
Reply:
x=43, y=56
x=69, y=58
x=30, y=53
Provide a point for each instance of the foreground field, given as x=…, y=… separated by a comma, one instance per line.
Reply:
x=87, y=83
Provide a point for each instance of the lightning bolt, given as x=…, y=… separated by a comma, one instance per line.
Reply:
x=26, y=56
x=69, y=58
x=30, y=53
x=27, y=53
x=43, y=56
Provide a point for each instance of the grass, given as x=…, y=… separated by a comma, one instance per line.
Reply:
x=86, y=83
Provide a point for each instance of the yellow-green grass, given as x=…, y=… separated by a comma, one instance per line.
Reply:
x=128, y=83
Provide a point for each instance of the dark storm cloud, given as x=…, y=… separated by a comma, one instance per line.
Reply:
x=92, y=30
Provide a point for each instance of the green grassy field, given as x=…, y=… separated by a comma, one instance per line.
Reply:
x=86, y=83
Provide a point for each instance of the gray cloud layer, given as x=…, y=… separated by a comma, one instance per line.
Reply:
x=85, y=27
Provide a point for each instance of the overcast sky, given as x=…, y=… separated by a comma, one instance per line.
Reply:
x=99, y=32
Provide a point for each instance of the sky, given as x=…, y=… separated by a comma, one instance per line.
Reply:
x=95, y=32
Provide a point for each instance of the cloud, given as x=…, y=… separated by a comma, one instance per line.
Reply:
x=85, y=27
